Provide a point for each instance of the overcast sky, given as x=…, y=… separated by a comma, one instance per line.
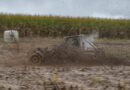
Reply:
x=76, y=8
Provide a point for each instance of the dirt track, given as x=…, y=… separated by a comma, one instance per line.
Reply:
x=90, y=78
x=15, y=71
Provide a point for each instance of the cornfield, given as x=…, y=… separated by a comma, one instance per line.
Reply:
x=55, y=26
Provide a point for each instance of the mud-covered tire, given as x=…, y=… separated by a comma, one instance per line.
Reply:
x=36, y=59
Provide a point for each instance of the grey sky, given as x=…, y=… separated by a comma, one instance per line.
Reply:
x=82, y=8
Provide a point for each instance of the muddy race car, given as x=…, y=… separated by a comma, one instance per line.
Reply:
x=70, y=49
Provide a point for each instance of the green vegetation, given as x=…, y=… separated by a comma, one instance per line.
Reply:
x=60, y=26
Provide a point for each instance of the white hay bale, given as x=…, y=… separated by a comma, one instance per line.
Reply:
x=11, y=36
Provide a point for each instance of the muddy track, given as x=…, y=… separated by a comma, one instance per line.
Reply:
x=10, y=56
x=88, y=78
x=17, y=74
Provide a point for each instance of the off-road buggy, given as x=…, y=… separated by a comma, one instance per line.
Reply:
x=72, y=48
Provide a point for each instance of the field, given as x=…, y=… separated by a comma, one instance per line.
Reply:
x=56, y=26
x=16, y=73
x=109, y=70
